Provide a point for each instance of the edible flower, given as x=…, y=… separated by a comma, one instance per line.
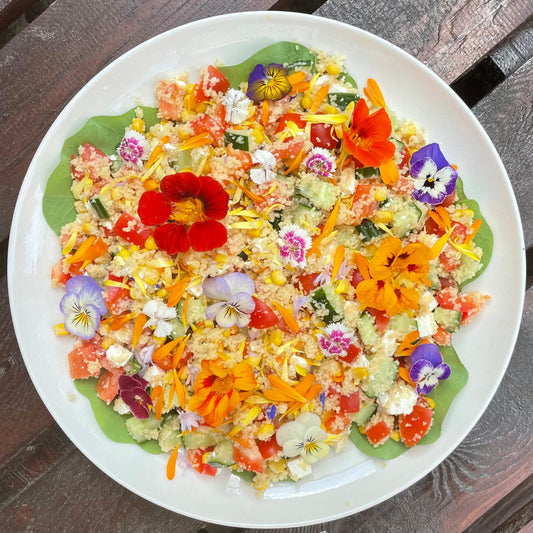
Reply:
x=83, y=305
x=428, y=368
x=321, y=162
x=133, y=393
x=367, y=138
x=303, y=437
x=159, y=314
x=134, y=148
x=335, y=340
x=268, y=83
x=186, y=211
x=294, y=242
x=189, y=420
x=263, y=170
x=434, y=177
x=237, y=105
x=236, y=291
x=216, y=389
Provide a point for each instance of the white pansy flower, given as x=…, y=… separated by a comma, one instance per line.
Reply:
x=237, y=105
x=304, y=437
x=264, y=171
x=159, y=314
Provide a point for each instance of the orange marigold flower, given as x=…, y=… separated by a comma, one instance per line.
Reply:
x=368, y=137
x=216, y=390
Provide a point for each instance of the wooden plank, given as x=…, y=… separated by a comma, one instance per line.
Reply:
x=61, y=51
x=449, y=36
x=10, y=10
x=506, y=114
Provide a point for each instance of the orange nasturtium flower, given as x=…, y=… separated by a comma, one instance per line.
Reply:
x=216, y=389
x=390, y=277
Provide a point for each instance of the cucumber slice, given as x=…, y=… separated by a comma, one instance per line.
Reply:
x=383, y=371
x=222, y=454
x=239, y=139
x=183, y=160
x=200, y=439
x=402, y=324
x=368, y=230
x=143, y=429
x=367, y=329
x=277, y=220
x=98, y=207
x=405, y=218
x=195, y=313
x=448, y=319
x=243, y=255
x=342, y=100
x=434, y=277
x=366, y=172
x=307, y=214
x=169, y=436
x=328, y=302
x=364, y=414
x=321, y=194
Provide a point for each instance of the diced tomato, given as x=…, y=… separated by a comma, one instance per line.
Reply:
x=292, y=117
x=447, y=282
x=58, y=277
x=323, y=136
x=415, y=425
x=433, y=228
x=469, y=304
x=132, y=230
x=116, y=296
x=244, y=157
x=356, y=278
x=337, y=423
x=378, y=432
x=352, y=354
x=170, y=95
x=89, y=160
x=447, y=297
x=206, y=124
x=307, y=282
x=262, y=316
x=289, y=149
x=349, y=403
x=442, y=337
x=248, y=457
x=268, y=448
x=449, y=261
x=364, y=203
x=381, y=318
x=107, y=385
x=212, y=80
x=82, y=355
x=195, y=456
x=459, y=232
x=449, y=200
x=406, y=156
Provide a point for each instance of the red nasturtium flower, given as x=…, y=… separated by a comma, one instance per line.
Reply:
x=368, y=137
x=186, y=212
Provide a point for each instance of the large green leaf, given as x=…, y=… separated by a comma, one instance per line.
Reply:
x=104, y=132
x=484, y=237
x=112, y=424
x=442, y=395
x=283, y=52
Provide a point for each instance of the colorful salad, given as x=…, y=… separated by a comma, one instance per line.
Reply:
x=267, y=265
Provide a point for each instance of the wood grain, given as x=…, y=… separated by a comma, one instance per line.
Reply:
x=10, y=10
x=447, y=36
x=61, y=51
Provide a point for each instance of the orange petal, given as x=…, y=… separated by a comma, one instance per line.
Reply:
x=389, y=172
x=287, y=316
x=374, y=94
x=138, y=327
x=171, y=465
x=243, y=376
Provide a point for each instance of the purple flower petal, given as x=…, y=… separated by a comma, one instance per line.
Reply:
x=257, y=75
x=424, y=168
x=243, y=302
x=442, y=371
x=420, y=370
x=77, y=283
x=425, y=388
x=216, y=288
x=128, y=383
x=447, y=177
x=93, y=295
x=229, y=316
x=69, y=303
x=84, y=322
x=239, y=282
x=212, y=311
x=433, y=152
x=428, y=352
x=138, y=400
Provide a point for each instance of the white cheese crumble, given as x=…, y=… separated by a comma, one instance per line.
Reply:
x=426, y=325
x=299, y=468
x=399, y=399
x=117, y=355
x=120, y=407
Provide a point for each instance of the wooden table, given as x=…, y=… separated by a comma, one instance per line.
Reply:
x=482, y=47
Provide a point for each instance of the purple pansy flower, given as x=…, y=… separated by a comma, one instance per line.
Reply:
x=134, y=395
x=336, y=339
x=134, y=148
x=298, y=303
x=236, y=291
x=434, y=177
x=321, y=162
x=294, y=242
x=83, y=305
x=268, y=83
x=428, y=368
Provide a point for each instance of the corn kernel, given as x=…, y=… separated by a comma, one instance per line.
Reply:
x=330, y=109
x=430, y=402
x=183, y=134
x=276, y=338
x=221, y=258
x=278, y=278
x=226, y=333
x=255, y=232
x=201, y=108
x=161, y=293
x=258, y=135
x=107, y=342
x=380, y=194
x=138, y=125
x=395, y=435
x=278, y=466
x=307, y=101
x=187, y=101
x=342, y=287
x=362, y=430
x=209, y=324
x=189, y=88
x=382, y=216
x=187, y=115
x=333, y=69
x=265, y=431
x=360, y=372
x=149, y=275
x=59, y=330
x=150, y=243
x=86, y=227
x=116, y=193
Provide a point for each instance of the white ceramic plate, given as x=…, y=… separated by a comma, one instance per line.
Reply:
x=342, y=484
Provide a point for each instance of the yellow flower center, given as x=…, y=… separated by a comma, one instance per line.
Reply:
x=188, y=211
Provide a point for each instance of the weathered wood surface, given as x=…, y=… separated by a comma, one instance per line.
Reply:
x=10, y=10
x=60, y=52
x=447, y=36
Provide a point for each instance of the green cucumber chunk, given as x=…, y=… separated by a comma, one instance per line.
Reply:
x=98, y=207
x=321, y=194
x=402, y=324
x=143, y=429
x=365, y=413
x=366, y=172
x=169, y=436
x=221, y=455
x=367, y=329
x=201, y=439
x=328, y=303
x=342, y=100
x=239, y=139
x=368, y=230
x=448, y=319
x=382, y=374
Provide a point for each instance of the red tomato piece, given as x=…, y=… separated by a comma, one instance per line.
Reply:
x=349, y=403
x=206, y=124
x=243, y=156
x=356, y=278
x=470, y=304
x=406, y=156
x=212, y=80
x=107, y=385
x=292, y=117
x=449, y=200
x=195, y=458
x=447, y=297
x=307, y=282
x=415, y=425
x=268, y=448
x=131, y=229
x=449, y=261
x=323, y=136
x=89, y=160
x=248, y=457
x=337, y=423
x=433, y=228
x=116, y=295
x=381, y=318
x=378, y=432
x=364, y=203
x=289, y=149
x=262, y=316
x=442, y=337
x=58, y=277
x=351, y=355
x=82, y=355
